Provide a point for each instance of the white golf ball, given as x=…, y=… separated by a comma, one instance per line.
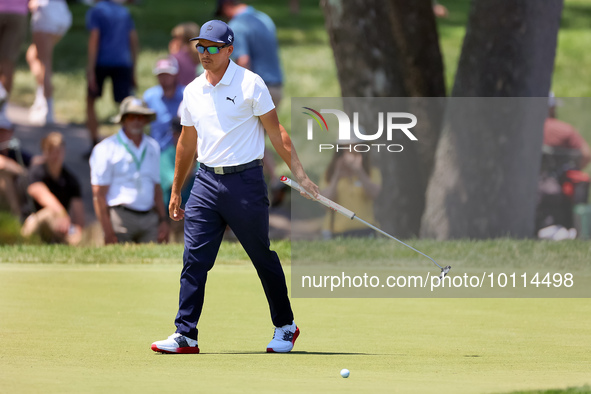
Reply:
x=345, y=373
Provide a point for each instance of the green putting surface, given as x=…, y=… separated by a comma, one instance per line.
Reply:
x=85, y=328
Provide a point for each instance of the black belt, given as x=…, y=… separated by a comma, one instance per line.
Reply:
x=132, y=210
x=232, y=169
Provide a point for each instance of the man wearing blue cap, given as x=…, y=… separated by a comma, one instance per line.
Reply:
x=225, y=113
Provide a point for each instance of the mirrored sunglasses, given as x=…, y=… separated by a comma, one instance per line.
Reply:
x=212, y=49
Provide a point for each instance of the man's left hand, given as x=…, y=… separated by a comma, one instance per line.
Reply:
x=310, y=187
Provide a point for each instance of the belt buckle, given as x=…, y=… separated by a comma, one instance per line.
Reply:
x=219, y=170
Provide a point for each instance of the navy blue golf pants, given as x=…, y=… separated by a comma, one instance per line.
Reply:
x=240, y=201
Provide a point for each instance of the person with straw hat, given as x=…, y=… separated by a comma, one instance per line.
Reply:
x=125, y=178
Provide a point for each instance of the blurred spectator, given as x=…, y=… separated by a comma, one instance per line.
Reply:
x=167, y=165
x=13, y=171
x=440, y=10
x=59, y=210
x=50, y=20
x=256, y=48
x=185, y=54
x=255, y=44
x=350, y=180
x=164, y=99
x=112, y=52
x=125, y=178
x=561, y=184
x=559, y=134
x=13, y=30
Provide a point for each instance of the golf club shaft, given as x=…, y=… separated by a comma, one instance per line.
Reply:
x=350, y=214
x=394, y=238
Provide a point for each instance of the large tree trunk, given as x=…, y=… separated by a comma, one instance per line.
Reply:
x=487, y=162
x=391, y=49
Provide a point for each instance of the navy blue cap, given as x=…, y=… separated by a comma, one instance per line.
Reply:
x=216, y=31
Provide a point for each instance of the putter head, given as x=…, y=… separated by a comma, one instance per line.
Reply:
x=444, y=272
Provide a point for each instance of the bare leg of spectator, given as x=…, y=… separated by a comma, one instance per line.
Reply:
x=40, y=58
x=38, y=110
x=6, y=75
x=91, y=121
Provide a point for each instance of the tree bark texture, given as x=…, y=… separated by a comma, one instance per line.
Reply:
x=487, y=162
x=391, y=49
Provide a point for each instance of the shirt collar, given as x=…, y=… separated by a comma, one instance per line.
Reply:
x=129, y=142
x=229, y=74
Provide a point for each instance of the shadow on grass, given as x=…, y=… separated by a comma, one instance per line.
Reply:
x=296, y=352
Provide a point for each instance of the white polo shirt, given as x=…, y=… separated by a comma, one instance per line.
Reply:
x=226, y=116
x=113, y=165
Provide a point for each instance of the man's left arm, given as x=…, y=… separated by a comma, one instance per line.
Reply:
x=163, y=228
x=284, y=147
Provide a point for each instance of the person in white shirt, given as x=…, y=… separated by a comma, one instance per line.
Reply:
x=125, y=178
x=225, y=114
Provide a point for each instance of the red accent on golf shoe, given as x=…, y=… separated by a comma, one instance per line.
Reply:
x=296, y=334
x=156, y=349
x=182, y=350
x=188, y=350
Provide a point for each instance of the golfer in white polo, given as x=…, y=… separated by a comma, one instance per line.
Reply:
x=226, y=112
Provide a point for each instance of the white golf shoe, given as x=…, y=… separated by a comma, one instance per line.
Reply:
x=283, y=339
x=176, y=343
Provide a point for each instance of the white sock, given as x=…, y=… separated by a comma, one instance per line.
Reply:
x=39, y=97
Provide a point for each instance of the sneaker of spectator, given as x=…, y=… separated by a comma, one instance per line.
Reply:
x=38, y=113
